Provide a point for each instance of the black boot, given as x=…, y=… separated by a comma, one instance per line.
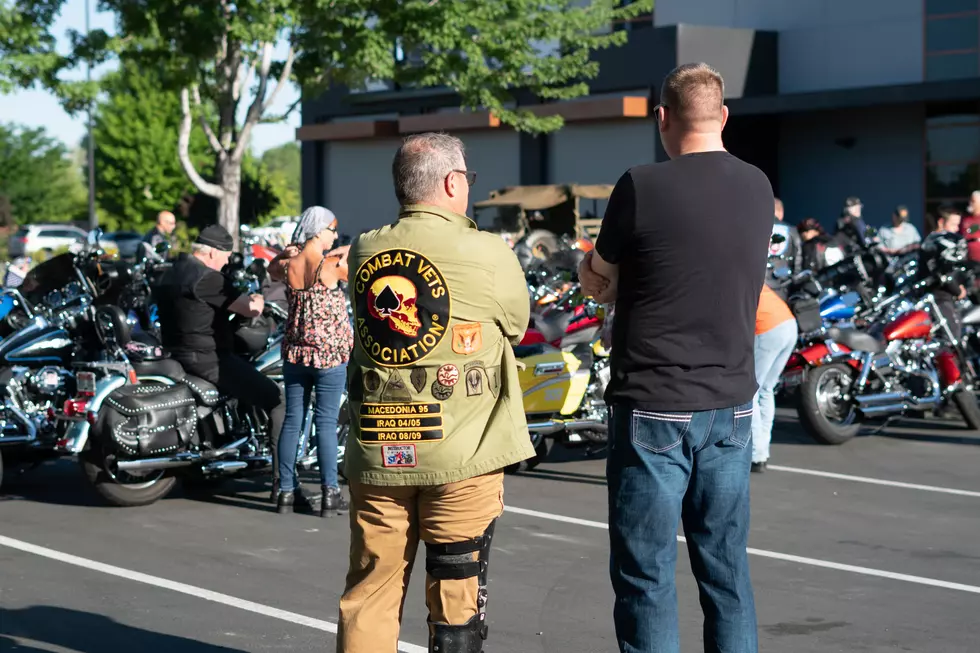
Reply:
x=294, y=501
x=274, y=495
x=285, y=502
x=333, y=502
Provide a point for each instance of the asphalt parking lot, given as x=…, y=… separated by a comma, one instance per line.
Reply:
x=873, y=546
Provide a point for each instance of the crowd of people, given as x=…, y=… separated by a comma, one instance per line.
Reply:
x=435, y=403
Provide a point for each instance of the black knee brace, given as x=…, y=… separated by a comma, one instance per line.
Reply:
x=454, y=561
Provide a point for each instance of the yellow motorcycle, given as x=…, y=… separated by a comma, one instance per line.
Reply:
x=566, y=372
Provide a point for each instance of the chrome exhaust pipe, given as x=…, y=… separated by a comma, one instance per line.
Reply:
x=151, y=464
x=226, y=466
x=554, y=426
x=882, y=398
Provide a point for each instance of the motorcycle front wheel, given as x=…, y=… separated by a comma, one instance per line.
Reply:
x=967, y=404
x=123, y=489
x=824, y=414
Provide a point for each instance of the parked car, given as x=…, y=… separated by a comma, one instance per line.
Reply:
x=46, y=238
x=126, y=243
x=277, y=232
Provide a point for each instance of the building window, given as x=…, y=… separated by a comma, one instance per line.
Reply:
x=643, y=21
x=952, y=39
x=952, y=144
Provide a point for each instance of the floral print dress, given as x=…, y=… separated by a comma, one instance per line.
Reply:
x=318, y=331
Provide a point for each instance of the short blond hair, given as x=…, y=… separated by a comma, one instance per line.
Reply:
x=694, y=93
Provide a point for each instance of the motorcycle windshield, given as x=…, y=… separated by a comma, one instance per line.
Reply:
x=51, y=275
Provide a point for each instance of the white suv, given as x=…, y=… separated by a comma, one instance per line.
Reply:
x=45, y=238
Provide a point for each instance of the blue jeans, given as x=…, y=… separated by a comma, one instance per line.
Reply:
x=662, y=467
x=772, y=349
x=301, y=381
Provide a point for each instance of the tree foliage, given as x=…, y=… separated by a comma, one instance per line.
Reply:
x=137, y=170
x=221, y=57
x=282, y=167
x=38, y=178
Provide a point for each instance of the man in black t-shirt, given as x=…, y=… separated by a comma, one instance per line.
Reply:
x=686, y=280
x=196, y=304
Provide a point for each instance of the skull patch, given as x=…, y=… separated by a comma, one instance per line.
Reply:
x=401, y=307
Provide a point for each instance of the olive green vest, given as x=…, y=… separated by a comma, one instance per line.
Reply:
x=433, y=386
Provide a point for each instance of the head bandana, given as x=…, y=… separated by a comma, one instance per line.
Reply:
x=314, y=221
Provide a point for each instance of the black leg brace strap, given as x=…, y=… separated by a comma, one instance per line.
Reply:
x=454, y=561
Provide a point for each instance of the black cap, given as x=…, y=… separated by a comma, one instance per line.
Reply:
x=217, y=237
x=853, y=201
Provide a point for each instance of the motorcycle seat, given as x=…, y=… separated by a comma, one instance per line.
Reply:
x=855, y=339
x=204, y=391
x=553, y=325
x=167, y=367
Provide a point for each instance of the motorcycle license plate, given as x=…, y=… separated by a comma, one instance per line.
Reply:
x=85, y=382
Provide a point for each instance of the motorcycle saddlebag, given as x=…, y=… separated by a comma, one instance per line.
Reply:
x=147, y=420
x=807, y=313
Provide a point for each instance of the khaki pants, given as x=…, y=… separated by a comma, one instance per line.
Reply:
x=386, y=526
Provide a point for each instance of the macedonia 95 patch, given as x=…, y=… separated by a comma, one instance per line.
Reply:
x=402, y=304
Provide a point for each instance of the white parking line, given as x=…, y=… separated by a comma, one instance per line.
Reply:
x=201, y=593
x=775, y=555
x=876, y=481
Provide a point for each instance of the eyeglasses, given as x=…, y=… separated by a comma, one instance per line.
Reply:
x=469, y=174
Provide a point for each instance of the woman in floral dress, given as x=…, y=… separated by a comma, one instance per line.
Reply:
x=315, y=351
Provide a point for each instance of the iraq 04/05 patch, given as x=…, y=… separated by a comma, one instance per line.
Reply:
x=401, y=306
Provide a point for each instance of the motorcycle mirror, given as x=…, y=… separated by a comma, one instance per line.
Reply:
x=162, y=248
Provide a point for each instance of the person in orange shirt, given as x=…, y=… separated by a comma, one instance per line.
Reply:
x=775, y=339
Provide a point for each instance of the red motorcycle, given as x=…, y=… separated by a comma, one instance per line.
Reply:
x=570, y=319
x=908, y=360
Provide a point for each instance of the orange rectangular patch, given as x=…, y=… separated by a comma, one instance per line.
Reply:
x=467, y=338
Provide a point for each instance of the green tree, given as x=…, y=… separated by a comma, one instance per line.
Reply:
x=137, y=169
x=37, y=177
x=220, y=56
x=282, y=166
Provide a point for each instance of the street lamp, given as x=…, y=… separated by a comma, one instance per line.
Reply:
x=93, y=220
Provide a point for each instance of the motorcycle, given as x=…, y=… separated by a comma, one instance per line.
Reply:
x=138, y=437
x=908, y=360
x=58, y=349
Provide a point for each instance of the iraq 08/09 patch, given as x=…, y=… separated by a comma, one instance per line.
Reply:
x=402, y=307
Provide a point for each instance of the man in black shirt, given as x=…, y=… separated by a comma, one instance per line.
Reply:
x=196, y=303
x=686, y=280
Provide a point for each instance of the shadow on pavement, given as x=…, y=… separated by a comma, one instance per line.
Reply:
x=567, y=477
x=83, y=632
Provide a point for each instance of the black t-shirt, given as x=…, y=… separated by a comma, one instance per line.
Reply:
x=193, y=303
x=691, y=238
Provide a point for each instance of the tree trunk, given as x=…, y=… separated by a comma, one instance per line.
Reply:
x=230, y=180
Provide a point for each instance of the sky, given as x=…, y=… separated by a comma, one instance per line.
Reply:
x=40, y=109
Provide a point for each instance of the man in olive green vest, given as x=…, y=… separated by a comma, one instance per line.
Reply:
x=435, y=404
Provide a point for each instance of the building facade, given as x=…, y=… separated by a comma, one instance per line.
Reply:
x=831, y=98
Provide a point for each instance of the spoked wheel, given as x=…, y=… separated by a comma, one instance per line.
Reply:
x=121, y=488
x=826, y=410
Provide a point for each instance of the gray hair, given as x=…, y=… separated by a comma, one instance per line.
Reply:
x=200, y=248
x=312, y=223
x=422, y=163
